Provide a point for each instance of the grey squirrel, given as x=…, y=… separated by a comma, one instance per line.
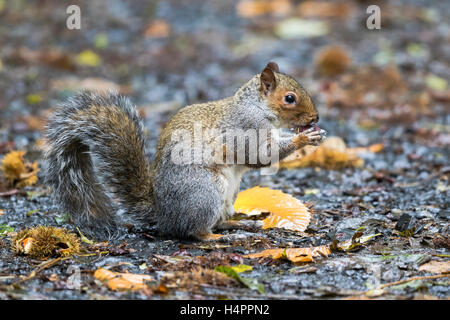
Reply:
x=95, y=154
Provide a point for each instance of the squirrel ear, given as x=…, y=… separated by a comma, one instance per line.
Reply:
x=267, y=80
x=274, y=66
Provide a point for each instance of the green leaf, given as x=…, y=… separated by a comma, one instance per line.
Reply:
x=248, y=282
x=415, y=49
x=31, y=195
x=414, y=284
x=84, y=239
x=29, y=213
x=63, y=218
x=101, y=41
x=4, y=228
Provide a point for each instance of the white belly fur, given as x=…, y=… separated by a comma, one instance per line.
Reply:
x=231, y=179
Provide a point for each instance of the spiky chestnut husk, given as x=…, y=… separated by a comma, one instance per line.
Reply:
x=44, y=242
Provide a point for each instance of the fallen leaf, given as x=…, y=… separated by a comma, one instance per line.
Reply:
x=436, y=83
x=322, y=9
x=248, y=282
x=271, y=253
x=332, y=60
x=295, y=28
x=52, y=57
x=122, y=281
x=101, y=41
x=33, y=98
x=255, y=8
x=84, y=238
x=285, y=211
x=211, y=237
x=299, y=255
x=4, y=229
x=91, y=84
x=157, y=29
x=88, y=58
x=436, y=267
x=355, y=242
x=331, y=154
x=295, y=255
x=242, y=268
x=19, y=173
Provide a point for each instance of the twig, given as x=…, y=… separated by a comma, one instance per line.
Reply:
x=412, y=279
x=43, y=266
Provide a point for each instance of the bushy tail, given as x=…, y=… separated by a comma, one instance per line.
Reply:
x=96, y=155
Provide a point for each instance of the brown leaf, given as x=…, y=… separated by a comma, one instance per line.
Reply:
x=322, y=9
x=158, y=29
x=332, y=60
x=122, y=281
x=255, y=8
x=331, y=154
x=91, y=84
x=436, y=267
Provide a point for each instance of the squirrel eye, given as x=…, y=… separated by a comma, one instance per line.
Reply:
x=289, y=98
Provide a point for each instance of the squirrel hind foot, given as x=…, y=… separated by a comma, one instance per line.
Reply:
x=98, y=230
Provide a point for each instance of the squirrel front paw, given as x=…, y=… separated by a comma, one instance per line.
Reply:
x=310, y=136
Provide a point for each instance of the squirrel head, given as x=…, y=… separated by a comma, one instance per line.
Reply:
x=287, y=98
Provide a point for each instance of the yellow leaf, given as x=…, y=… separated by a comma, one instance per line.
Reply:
x=34, y=98
x=88, y=58
x=242, y=268
x=122, y=281
x=285, y=211
x=19, y=173
x=295, y=255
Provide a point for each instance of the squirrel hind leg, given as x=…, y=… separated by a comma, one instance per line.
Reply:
x=189, y=209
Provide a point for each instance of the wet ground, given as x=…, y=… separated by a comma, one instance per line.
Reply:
x=207, y=52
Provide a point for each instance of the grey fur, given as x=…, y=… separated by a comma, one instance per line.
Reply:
x=87, y=163
x=83, y=171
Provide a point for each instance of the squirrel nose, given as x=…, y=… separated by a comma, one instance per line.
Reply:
x=315, y=118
